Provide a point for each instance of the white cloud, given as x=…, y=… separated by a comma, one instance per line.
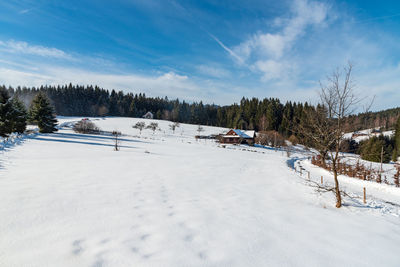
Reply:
x=19, y=47
x=266, y=52
x=272, y=69
x=168, y=84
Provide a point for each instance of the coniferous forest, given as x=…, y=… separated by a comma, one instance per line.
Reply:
x=254, y=113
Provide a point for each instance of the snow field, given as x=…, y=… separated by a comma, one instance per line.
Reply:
x=68, y=199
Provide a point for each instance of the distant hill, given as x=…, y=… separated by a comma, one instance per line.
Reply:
x=385, y=119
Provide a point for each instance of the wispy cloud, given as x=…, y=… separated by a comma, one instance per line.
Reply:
x=24, y=11
x=19, y=47
x=227, y=49
x=376, y=18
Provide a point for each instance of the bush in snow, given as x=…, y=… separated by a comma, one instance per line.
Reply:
x=86, y=127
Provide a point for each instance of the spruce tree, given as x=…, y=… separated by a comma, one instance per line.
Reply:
x=42, y=113
x=396, y=151
x=19, y=116
x=6, y=113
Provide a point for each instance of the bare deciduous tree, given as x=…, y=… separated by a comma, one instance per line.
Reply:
x=153, y=126
x=117, y=141
x=270, y=138
x=174, y=126
x=324, y=125
x=140, y=126
x=200, y=129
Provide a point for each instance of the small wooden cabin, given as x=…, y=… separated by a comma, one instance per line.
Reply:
x=235, y=136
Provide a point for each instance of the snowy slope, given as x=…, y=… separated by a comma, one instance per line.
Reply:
x=368, y=133
x=68, y=199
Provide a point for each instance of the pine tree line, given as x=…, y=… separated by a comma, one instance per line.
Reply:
x=69, y=100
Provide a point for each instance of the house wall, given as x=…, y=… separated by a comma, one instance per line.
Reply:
x=231, y=140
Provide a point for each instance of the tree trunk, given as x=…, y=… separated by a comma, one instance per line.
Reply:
x=337, y=191
x=323, y=158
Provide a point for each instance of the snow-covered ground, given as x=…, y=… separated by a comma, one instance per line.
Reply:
x=165, y=199
x=366, y=134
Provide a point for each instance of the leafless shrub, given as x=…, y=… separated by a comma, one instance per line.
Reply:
x=396, y=177
x=293, y=139
x=200, y=129
x=174, y=126
x=86, y=127
x=270, y=138
x=288, y=150
x=153, y=126
x=140, y=126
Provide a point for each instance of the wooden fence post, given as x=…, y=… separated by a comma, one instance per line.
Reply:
x=308, y=175
x=322, y=179
x=365, y=196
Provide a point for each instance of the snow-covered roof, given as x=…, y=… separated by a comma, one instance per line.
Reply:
x=251, y=134
x=148, y=115
x=240, y=133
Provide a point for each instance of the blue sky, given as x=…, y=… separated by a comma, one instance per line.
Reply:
x=215, y=51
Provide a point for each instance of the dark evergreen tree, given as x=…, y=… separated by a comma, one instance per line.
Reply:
x=396, y=150
x=371, y=149
x=42, y=113
x=19, y=116
x=6, y=113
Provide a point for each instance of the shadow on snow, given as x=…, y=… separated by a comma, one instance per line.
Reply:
x=92, y=137
x=77, y=142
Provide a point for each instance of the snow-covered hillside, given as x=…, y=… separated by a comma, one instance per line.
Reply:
x=165, y=199
x=366, y=134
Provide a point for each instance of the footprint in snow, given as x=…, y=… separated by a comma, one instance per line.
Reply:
x=144, y=237
x=202, y=255
x=77, y=247
x=188, y=238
